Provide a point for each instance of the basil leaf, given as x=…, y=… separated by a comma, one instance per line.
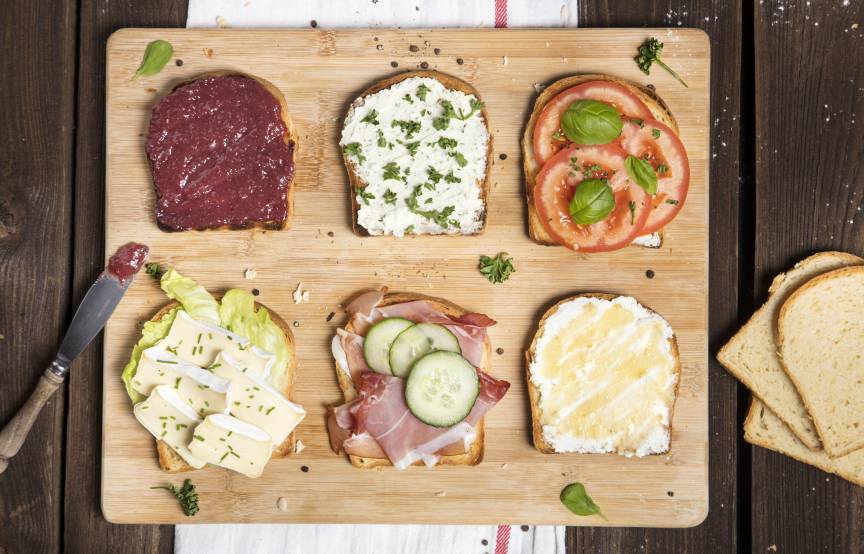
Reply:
x=592, y=202
x=591, y=122
x=157, y=54
x=577, y=501
x=641, y=172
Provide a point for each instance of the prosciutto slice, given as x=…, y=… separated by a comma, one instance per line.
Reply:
x=380, y=413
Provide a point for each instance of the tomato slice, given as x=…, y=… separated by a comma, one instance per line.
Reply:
x=549, y=122
x=557, y=182
x=660, y=146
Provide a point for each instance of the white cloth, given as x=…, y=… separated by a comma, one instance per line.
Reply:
x=378, y=539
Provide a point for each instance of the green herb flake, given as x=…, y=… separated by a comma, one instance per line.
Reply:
x=497, y=269
x=408, y=98
x=410, y=128
x=391, y=171
x=446, y=143
x=460, y=159
x=422, y=91
x=382, y=142
x=177, y=382
x=450, y=178
x=389, y=197
x=152, y=269
x=371, y=117
x=412, y=147
x=157, y=54
x=365, y=196
x=433, y=174
x=356, y=150
x=655, y=133
x=632, y=206
x=409, y=229
x=672, y=201
x=576, y=499
x=198, y=437
x=167, y=362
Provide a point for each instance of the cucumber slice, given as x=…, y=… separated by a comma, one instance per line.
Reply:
x=418, y=340
x=442, y=388
x=376, y=345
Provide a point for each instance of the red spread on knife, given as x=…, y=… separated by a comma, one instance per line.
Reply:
x=219, y=157
x=127, y=261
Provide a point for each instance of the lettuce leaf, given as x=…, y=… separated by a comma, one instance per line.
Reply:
x=153, y=332
x=195, y=299
x=237, y=314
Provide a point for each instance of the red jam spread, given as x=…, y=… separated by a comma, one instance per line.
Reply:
x=218, y=155
x=127, y=261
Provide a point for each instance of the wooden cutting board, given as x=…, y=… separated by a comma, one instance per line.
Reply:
x=320, y=73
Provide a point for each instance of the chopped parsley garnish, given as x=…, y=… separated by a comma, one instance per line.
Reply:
x=389, y=197
x=433, y=175
x=409, y=229
x=649, y=53
x=382, y=142
x=152, y=269
x=672, y=201
x=655, y=133
x=460, y=159
x=391, y=171
x=446, y=143
x=411, y=146
x=662, y=169
x=497, y=269
x=422, y=90
x=441, y=217
x=410, y=128
x=371, y=117
x=557, y=136
x=450, y=178
x=356, y=150
x=638, y=122
x=408, y=98
x=364, y=195
x=186, y=495
x=632, y=206
x=441, y=123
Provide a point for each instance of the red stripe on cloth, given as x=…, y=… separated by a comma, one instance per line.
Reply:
x=502, y=540
x=500, y=13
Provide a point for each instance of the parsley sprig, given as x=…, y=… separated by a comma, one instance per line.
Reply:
x=441, y=217
x=186, y=495
x=649, y=53
x=497, y=269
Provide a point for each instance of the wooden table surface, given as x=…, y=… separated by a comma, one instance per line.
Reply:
x=787, y=179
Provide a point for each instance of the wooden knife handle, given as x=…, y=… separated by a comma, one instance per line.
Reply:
x=13, y=434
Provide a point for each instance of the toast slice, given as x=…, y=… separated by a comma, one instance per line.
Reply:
x=475, y=454
x=655, y=105
x=763, y=428
x=355, y=182
x=290, y=138
x=820, y=333
x=171, y=462
x=751, y=354
x=540, y=442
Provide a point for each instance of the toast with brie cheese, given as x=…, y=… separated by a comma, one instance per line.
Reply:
x=474, y=454
x=418, y=152
x=613, y=404
x=531, y=167
x=171, y=462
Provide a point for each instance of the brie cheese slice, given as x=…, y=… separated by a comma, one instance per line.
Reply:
x=256, y=402
x=227, y=442
x=204, y=391
x=170, y=420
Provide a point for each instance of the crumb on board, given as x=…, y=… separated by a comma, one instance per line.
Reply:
x=250, y=274
x=299, y=446
x=441, y=494
x=221, y=22
x=208, y=52
x=282, y=504
x=300, y=296
x=505, y=61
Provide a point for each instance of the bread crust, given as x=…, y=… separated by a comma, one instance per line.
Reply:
x=531, y=168
x=837, y=273
x=449, y=82
x=474, y=455
x=170, y=461
x=289, y=137
x=776, y=283
x=540, y=443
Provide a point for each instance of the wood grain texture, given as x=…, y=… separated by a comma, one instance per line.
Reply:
x=320, y=73
x=810, y=197
x=85, y=529
x=37, y=93
x=720, y=532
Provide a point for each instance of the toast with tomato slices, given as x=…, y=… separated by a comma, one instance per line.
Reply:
x=656, y=110
x=474, y=454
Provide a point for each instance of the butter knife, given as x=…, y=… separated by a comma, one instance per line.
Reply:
x=92, y=314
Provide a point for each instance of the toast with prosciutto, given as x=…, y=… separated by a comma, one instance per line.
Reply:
x=604, y=166
x=414, y=371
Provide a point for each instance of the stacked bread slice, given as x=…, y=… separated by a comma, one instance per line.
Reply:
x=802, y=356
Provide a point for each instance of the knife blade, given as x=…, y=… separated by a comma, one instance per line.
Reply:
x=92, y=314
